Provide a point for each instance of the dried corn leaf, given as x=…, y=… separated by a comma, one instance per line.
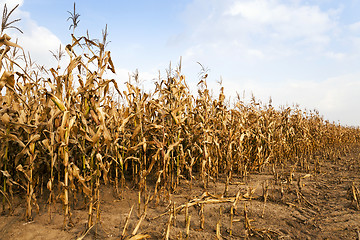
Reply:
x=5, y=40
x=5, y=118
x=7, y=78
x=57, y=101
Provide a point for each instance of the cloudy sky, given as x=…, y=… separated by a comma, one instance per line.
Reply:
x=294, y=51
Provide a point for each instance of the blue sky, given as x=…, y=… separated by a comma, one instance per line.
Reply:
x=297, y=52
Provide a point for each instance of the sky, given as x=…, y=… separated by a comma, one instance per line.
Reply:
x=304, y=53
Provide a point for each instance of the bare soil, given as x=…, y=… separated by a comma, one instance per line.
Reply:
x=316, y=203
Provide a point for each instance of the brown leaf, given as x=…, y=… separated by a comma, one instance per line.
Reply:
x=7, y=78
x=5, y=40
x=5, y=118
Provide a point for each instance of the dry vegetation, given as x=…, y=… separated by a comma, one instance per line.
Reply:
x=65, y=134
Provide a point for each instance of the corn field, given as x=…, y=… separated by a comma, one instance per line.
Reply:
x=66, y=132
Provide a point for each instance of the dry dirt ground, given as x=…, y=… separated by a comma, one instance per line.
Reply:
x=319, y=206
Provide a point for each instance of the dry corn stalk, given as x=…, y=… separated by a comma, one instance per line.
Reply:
x=355, y=196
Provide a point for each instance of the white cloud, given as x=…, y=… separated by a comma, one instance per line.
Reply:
x=354, y=27
x=256, y=53
x=336, y=98
x=286, y=21
x=262, y=46
x=271, y=26
x=36, y=39
x=336, y=55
